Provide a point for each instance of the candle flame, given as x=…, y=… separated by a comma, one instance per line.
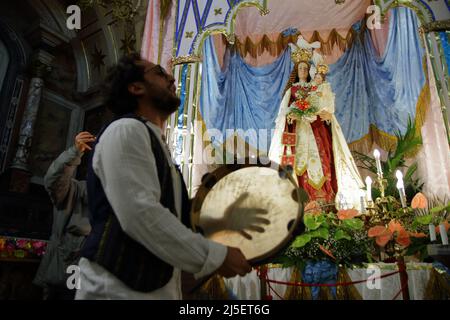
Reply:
x=376, y=154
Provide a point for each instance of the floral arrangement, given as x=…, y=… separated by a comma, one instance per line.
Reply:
x=16, y=248
x=385, y=232
x=401, y=231
x=339, y=238
x=305, y=105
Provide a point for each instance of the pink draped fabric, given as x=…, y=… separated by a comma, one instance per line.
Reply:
x=434, y=159
x=152, y=31
x=305, y=15
x=380, y=36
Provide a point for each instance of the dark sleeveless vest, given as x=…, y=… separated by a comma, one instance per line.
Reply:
x=109, y=246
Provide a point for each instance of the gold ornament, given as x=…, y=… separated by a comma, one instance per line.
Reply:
x=322, y=68
x=301, y=55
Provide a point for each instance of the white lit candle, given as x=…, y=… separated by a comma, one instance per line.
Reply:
x=432, y=231
x=401, y=187
x=443, y=233
x=376, y=154
x=369, y=189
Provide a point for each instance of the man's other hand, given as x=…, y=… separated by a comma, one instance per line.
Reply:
x=234, y=264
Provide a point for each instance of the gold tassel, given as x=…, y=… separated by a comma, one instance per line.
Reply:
x=213, y=289
x=164, y=8
x=297, y=292
x=438, y=287
x=275, y=47
x=346, y=292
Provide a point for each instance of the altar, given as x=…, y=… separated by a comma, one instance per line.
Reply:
x=424, y=281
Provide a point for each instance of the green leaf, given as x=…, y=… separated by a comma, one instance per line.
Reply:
x=320, y=233
x=341, y=234
x=301, y=240
x=440, y=208
x=424, y=220
x=312, y=222
x=354, y=224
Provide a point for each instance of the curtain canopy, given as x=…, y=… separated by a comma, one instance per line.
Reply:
x=241, y=96
x=369, y=89
x=380, y=90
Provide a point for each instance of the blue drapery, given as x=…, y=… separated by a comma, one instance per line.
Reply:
x=446, y=46
x=379, y=90
x=369, y=89
x=242, y=96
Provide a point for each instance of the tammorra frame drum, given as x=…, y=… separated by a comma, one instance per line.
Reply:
x=256, y=208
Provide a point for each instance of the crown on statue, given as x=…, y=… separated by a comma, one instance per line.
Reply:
x=301, y=55
x=322, y=68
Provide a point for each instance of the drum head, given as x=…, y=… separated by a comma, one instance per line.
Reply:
x=250, y=208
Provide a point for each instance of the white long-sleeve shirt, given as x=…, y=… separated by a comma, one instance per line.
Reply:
x=125, y=164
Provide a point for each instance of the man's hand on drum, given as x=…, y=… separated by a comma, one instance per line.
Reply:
x=239, y=217
x=234, y=264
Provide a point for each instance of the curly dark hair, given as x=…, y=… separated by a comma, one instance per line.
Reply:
x=117, y=98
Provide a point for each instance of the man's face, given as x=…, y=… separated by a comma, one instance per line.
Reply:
x=160, y=90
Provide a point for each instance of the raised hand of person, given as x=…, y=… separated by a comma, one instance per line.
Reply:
x=82, y=141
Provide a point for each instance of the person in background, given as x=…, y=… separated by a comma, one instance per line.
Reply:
x=70, y=220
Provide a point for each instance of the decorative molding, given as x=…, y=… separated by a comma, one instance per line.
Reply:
x=186, y=59
x=427, y=10
x=436, y=26
x=98, y=58
x=34, y=95
x=208, y=22
x=75, y=116
x=43, y=35
x=124, y=10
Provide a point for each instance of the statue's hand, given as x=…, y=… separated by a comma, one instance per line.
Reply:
x=290, y=118
x=239, y=218
x=325, y=115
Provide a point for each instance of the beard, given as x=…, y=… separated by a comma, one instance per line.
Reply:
x=164, y=100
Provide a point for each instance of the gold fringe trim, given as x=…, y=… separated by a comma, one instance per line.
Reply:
x=438, y=287
x=213, y=289
x=295, y=292
x=387, y=141
x=300, y=171
x=276, y=47
x=164, y=8
x=319, y=185
x=325, y=293
x=346, y=292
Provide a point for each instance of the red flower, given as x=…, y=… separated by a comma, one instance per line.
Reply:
x=302, y=105
x=313, y=88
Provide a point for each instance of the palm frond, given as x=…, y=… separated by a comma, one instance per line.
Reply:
x=406, y=144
